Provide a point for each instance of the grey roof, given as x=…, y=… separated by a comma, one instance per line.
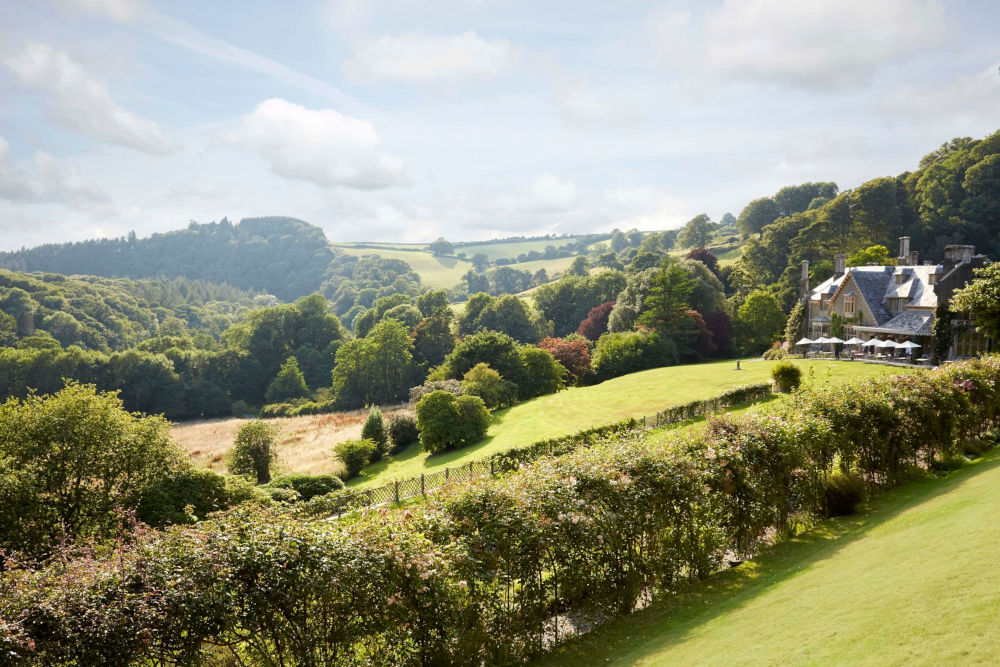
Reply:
x=873, y=281
x=877, y=285
x=910, y=322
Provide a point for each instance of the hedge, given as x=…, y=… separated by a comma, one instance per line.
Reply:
x=479, y=573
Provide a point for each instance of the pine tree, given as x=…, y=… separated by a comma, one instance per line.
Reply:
x=289, y=383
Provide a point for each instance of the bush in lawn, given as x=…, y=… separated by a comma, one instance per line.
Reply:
x=402, y=432
x=542, y=373
x=307, y=486
x=374, y=429
x=630, y=351
x=182, y=497
x=787, y=376
x=253, y=454
x=487, y=384
x=844, y=494
x=446, y=421
x=775, y=353
x=355, y=454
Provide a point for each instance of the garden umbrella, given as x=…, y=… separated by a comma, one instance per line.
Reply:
x=888, y=343
x=805, y=341
x=871, y=343
x=909, y=345
x=834, y=340
x=822, y=340
x=854, y=341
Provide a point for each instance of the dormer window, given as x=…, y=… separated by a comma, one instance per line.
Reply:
x=900, y=278
x=932, y=278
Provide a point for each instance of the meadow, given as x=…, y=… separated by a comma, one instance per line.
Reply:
x=903, y=583
x=634, y=395
x=435, y=272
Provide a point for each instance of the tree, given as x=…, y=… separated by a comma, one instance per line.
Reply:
x=487, y=384
x=432, y=339
x=596, y=322
x=793, y=326
x=696, y=232
x=630, y=351
x=376, y=369
x=355, y=455
x=573, y=353
x=446, y=421
x=510, y=315
x=705, y=257
x=875, y=254
x=480, y=262
x=579, y=267
x=666, y=305
x=440, y=248
x=253, y=454
x=542, y=373
x=432, y=301
x=499, y=350
x=981, y=298
x=759, y=322
x=757, y=215
x=71, y=462
x=288, y=384
x=374, y=429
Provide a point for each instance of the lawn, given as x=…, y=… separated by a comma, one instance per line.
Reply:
x=633, y=395
x=436, y=272
x=512, y=249
x=905, y=583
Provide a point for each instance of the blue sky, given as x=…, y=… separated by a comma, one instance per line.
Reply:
x=403, y=121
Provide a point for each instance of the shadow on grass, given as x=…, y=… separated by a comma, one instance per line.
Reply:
x=668, y=620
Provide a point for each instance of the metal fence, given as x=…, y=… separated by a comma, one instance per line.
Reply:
x=402, y=489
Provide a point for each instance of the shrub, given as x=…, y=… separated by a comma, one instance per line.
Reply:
x=630, y=351
x=572, y=353
x=487, y=384
x=542, y=373
x=374, y=429
x=775, y=354
x=282, y=494
x=844, y=494
x=253, y=454
x=355, y=454
x=240, y=409
x=168, y=500
x=402, y=431
x=446, y=421
x=451, y=386
x=787, y=376
x=307, y=486
x=277, y=410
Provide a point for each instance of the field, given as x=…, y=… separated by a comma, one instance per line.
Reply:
x=905, y=583
x=305, y=443
x=436, y=272
x=570, y=410
x=512, y=249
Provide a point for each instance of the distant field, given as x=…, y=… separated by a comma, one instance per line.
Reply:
x=638, y=394
x=513, y=249
x=436, y=272
x=903, y=584
x=726, y=257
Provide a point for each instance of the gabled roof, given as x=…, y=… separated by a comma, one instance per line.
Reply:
x=908, y=322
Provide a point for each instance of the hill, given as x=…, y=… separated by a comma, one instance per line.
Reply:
x=281, y=256
x=904, y=583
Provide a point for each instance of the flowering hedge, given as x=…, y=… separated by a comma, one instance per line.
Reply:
x=480, y=572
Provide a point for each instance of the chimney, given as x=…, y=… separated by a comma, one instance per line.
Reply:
x=956, y=254
x=839, y=264
x=804, y=280
x=914, y=258
x=904, y=251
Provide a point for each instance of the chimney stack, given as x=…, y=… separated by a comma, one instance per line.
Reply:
x=839, y=264
x=914, y=258
x=904, y=251
x=956, y=254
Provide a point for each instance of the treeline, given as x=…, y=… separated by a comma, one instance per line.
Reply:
x=104, y=314
x=953, y=197
x=482, y=572
x=281, y=256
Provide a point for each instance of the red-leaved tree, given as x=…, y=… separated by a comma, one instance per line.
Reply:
x=721, y=328
x=573, y=354
x=596, y=321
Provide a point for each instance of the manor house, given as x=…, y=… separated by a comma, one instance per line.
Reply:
x=895, y=302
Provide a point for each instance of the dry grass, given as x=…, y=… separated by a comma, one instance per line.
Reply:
x=305, y=443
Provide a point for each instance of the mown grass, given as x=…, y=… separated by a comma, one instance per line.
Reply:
x=909, y=582
x=633, y=395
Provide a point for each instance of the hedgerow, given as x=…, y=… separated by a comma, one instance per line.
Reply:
x=479, y=572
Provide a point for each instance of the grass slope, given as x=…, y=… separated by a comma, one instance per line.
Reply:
x=512, y=249
x=909, y=582
x=637, y=394
x=436, y=272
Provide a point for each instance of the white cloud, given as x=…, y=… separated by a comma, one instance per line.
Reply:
x=43, y=180
x=967, y=103
x=820, y=44
x=547, y=194
x=321, y=146
x=81, y=101
x=419, y=58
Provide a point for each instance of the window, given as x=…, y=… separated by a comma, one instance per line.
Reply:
x=900, y=278
x=932, y=278
x=849, y=304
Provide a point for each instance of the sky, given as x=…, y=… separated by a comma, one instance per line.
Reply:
x=404, y=121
